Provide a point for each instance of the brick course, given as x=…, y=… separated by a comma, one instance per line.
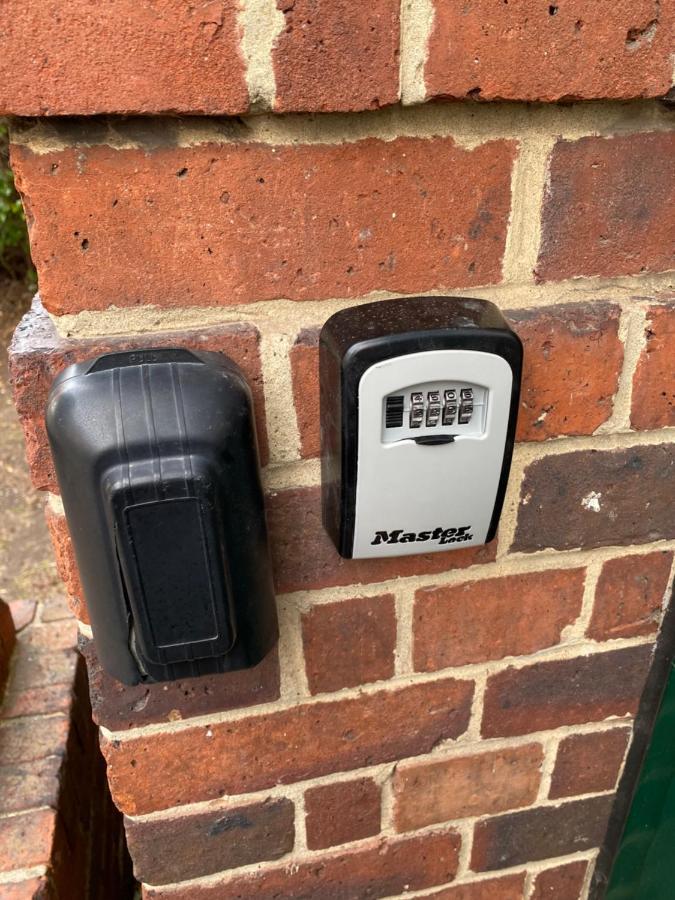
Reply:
x=308, y=740
x=381, y=869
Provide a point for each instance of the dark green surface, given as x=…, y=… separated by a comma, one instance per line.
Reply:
x=645, y=864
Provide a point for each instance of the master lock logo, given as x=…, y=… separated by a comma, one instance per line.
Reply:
x=442, y=535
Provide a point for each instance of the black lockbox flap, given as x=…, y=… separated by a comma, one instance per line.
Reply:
x=156, y=458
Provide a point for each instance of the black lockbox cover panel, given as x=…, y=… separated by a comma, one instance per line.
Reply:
x=156, y=457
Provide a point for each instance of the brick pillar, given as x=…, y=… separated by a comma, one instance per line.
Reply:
x=457, y=719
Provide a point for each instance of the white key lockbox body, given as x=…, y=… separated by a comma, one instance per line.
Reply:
x=419, y=399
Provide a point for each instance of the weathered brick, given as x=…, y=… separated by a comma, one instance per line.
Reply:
x=605, y=212
x=381, y=869
x=37, y=669
x=190, y=846
x=571, y=367
x=342, y=812
x=60, y=635
x=304, y=358
x=26, y=839
x=540, y=833
x=653, y=403
x=29, y=784
x=167, y=56
x=118, y=706
x=38, y=353
x=561, y=883
x=336, y=57
x=510, y=616
x=55, y=608
x=23, y=612
x=572, y=363
x=565, y=692
x=97, y=241
x=31, y=889
x=32, y=738
x=589, y=763
x=357, y=635
x=629, y=595
x=7, y=642
x=27, y=701
x=509, y=887
x=429, y=792
x=527, y=50
x=596, y=498
x=153, y=772
x=66, y=565
x=313, y=562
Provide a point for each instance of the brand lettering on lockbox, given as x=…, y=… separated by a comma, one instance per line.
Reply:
x=442, y=535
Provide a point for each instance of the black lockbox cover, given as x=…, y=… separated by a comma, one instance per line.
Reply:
x=156, y=457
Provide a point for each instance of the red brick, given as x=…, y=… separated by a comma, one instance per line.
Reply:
x=349, y=642
x=597, y=498
x=381, y=869
x=32, y=738
x=7, y=642
x=429, y=792
x=565, y=692
x=167, y=56
x=66, y=565
x=629, y=596
x=510, y=887
x=153, y=772
x=54, y=609
x=589, y=763
x=481, y=620
x=313, y=562
x=539, y=833
x=51, y=698
x=561, y=883
x=30, y=784
x=528, y=50
x=605, y=211
x=191, y=846
x=653, y=404
x=26, y=839
x=336, y=57
x=33, y=889
x=60, y=635
x=572, y=362
x=571, y=367
x=97, y=241
x=38, y=353
x=342, y=812
x=304, y=357
x=118, y=706
x=23, y=612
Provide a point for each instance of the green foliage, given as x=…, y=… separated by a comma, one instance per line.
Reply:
x=14, y=250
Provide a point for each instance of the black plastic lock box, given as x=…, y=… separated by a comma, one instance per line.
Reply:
x=156, y=457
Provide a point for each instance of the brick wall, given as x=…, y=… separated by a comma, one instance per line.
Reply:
x=452, y=724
